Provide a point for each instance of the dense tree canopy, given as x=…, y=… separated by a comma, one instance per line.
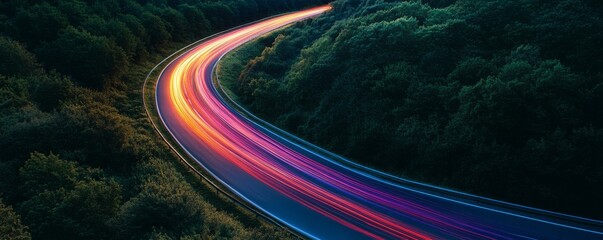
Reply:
x=15, y=59
x=78, y=159
x=499, y=98
x=10, y=225
x=103, y=59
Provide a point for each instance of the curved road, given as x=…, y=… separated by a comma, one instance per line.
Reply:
x=315, y=192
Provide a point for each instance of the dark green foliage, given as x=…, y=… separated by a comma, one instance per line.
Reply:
x=49, y=91
x=46, y=173
x=115, y=30
x=220, y=16
x=15, y=59
x=93, y=41
x=91, y=60
x=156, y=30
x=199, y=24
x=165, y=202
x=498, y=98
x=39, y=23
x=63, y=199
x=81, y=102
x=10, y=224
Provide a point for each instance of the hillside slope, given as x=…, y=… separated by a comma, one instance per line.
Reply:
x=498, y=98
x=78, y=157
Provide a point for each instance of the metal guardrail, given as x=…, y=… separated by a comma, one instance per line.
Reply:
x=428, y=188
x=449, y=193
x=399, y=180
x=184, y=158
x=406, y=182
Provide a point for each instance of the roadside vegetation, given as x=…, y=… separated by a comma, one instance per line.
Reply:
x=78, y=158
x=501, y=98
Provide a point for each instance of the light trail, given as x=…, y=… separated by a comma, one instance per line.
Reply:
x=305, y=188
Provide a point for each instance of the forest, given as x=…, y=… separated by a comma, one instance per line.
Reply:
x=78, y=158
x=500, y=98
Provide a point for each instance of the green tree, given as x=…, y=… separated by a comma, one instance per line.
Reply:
x=219, y=14
x=76, y=11
x=470, y=71
x=46, y=173
x=39, y=23
x=50, y=90
x=164, y=202
x=65, y=201
x=15, y=59
x=11, y=227
x=115, y=30
x=477, y=95
x=99, y=59
x=158, y=35
x=196, y=18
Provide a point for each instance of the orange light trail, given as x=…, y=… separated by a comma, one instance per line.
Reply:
x=298, y=186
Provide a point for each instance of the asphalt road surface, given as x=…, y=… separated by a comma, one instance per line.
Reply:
x=317, y=193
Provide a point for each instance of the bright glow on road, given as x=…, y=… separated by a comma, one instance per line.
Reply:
x=303, y=188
